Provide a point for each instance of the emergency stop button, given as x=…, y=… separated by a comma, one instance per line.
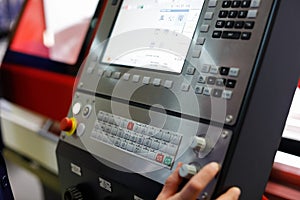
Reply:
x=68, y=125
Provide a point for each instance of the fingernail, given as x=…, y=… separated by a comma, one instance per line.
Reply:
x=237, y=191
x=215, y=165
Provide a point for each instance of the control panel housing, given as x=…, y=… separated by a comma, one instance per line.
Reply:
x=182, y=86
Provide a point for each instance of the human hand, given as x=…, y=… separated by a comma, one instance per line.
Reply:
x=194, y=186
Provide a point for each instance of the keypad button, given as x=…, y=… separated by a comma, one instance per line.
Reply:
x=140, y=140
x=185, y=87
x=137, y=149
x=116, y=75
x=231, y=34
x=155, y=144
x=220, y=82
x=120, y=133
x=114, y=131
x=230, y=83
x=223, y=14
x=204, y=28
x=232, y=14
x=148, y=142
x=236, y=4
x=224, y=71
x=146, y=80
x=168, y=84
x=126, y=76
x=151, y=131
x=255, y=3
x=190, y=71
x=199, y=89
x=130, y=147
x=202, y=79
x=208, y=15
x=130, y=125
x=168, y=161
x=239, y=24
x=246, y=36
x=245, y=4
x=156, y=82
x=200, y=41
x=123, y=144
x=207, y=91
x=175, y=139
x=220, y=23
x=212, y=3
x=242, y=14
x=217, y=93
x=214, y=70
x=234, y=72
x=126, y=135
x=211, y=80
x=135, y=78
x=252, y=14
x=249, y=24
x=227, y=94
x=159, y=157
x=166, y=136
x=117, y=142
x=217, y=34
x=226, y=4
x=158, y=134
x=229, y=24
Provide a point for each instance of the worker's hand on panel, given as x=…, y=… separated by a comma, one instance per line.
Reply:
x=194, y=186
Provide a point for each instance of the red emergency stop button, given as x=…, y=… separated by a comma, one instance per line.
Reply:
x=68, y=125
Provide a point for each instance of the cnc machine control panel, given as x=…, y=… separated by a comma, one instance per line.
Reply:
x=164, y=83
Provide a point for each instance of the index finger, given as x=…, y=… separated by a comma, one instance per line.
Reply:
x=171, y=185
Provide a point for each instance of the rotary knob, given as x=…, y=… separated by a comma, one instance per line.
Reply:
x=199, y=143
x=187, y=171
x=72, y=193
x=68, y=125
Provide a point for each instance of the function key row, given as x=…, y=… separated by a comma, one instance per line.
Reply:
x=237, y=14
x=215, y=92
x=235, y=24
x=232, y=35
x=133, y=77
x=221, y=82
x=224, y=71
x=236, y=4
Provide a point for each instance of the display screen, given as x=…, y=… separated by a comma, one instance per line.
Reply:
x=153, y=34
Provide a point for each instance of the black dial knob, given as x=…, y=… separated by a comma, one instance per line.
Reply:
x=72, y=193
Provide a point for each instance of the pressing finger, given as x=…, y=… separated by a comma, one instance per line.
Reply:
x=171, y=185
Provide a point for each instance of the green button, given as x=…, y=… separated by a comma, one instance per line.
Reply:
x=168, y=161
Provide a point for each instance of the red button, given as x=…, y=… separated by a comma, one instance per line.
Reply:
x=66, y=124
x=130, y=126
